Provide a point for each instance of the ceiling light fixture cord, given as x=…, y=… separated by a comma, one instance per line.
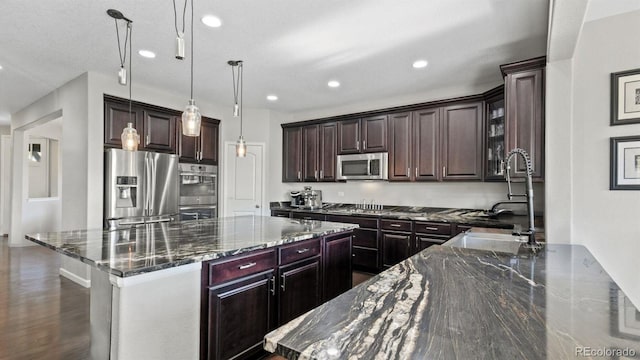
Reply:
x=236, y=80
x=191, y=46
x=130, y=32
x=175, y=16
x=241, y=86
x=126, y=38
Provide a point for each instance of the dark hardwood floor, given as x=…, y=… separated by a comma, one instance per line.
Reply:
x=42, y=315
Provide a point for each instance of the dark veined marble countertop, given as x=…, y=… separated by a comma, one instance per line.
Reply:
x=151, y=247
x=469, y=217
x=454, y=303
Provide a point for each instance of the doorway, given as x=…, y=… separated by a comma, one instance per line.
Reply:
x=244, y=180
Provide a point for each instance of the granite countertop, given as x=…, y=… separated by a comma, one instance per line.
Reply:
x=469, y=217
x=145, y=248
x=454, y=303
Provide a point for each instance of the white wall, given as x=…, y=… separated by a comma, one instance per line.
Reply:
x=603, y=220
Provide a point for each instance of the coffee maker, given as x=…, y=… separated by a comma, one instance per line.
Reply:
x=312, y=198
x=296, y=199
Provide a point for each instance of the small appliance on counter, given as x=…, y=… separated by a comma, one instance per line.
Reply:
x=312, y=198
x=198, y=191
x=296, y=199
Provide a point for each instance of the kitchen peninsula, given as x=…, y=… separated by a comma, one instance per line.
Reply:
x=151, y=283
x=449, y=302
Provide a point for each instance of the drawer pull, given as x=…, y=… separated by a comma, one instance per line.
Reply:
x=273, y=285
x=246, y=266
x=395, y=225
x=284, y=282
x=302, y=251
x=432, y=228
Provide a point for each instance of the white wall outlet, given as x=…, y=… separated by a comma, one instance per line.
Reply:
x=341, y=193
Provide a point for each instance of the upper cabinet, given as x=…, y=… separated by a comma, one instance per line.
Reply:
x=461, y=153
x=292, y=154
x=327, y=151
x=310, y=142
x=524, y=98
x=160, y=130
x=364, y=135
x=495, y=134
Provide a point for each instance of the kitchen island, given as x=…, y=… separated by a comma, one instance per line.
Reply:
x=459, y=303
x=146, y=281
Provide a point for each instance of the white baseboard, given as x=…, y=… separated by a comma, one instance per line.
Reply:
x=75, y=278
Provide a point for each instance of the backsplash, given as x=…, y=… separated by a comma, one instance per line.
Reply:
x=437, y=194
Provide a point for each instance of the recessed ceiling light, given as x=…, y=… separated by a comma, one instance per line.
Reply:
x=333, y=84
x=419, y=64
x=0, y=67
x=147, y=53
x=211, y=21
x=272, y=97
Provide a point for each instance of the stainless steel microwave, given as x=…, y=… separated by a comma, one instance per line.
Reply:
x=372, y=166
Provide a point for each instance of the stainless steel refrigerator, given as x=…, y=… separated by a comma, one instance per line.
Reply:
x=140, y=187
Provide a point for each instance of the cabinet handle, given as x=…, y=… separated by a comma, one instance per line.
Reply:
x=147, y=141
x=444, y=171
x=246, y=266
x=408, y=172
x=395, y=225
x=273, y=285
x=284, y=282
x=431, y=228
x=354, y=255
x=416, y=173
x=299, y=176
x=357, y=144
x=307, y=218
x=321, y=174
x=364, y=144
x=315, y=174
x=302, y=251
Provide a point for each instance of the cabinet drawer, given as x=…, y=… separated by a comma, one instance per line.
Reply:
x=238, y=267
x=363, y=222
x=432, y=228
x=307, y=216
x=299, y=251
x=365, y=258
x=280, y=213
x=365, y=238
x=395, y=225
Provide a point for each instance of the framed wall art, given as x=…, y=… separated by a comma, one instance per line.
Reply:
x=625, y=97
x=625, y=163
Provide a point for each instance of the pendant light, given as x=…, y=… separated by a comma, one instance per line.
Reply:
x=130, y=138
x=191, y=116
x=241, y=145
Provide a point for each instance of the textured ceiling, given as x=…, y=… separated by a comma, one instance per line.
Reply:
x=290, y=47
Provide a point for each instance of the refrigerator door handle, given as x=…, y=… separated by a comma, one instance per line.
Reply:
x=147, y=163
x=152, y=188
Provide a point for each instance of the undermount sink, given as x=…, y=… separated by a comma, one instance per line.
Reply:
x=498, y=242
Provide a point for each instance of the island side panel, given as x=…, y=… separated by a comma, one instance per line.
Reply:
x=155, y=315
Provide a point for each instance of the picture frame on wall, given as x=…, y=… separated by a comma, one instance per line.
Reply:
x=625, y=97
x=625, y=163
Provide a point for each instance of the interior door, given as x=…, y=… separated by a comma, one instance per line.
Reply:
x=244, y=181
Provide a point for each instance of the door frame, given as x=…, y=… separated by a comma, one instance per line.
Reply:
x=222, y=203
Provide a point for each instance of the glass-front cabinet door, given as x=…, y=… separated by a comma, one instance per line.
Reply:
x=495, y=128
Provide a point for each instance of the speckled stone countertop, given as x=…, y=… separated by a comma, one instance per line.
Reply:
x=469, y=217
x=454, y=303
x=145, y=248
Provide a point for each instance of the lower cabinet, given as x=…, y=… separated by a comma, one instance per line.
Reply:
x=337, y=265
x=246, y=296
x=395, y=248
x=424, y=241
x=365, y=250
x=299, y=289
x=240, y=314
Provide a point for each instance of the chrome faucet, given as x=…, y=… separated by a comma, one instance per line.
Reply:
x=529, y=195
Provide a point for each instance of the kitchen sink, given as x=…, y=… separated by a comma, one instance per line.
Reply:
x=489, y=241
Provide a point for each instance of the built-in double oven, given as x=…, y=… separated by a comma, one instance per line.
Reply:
x=198, y=191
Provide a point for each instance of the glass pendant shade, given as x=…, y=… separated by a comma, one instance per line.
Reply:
x=122, y=76
x=241, y=147
x=130, y=138
x=191, y=118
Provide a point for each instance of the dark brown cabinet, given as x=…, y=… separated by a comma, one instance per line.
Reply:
x=116, y=117
x=495, y=135
x=414, y=145
x=462, y=134
x=300, y=289
x=337, y=265
x=240, y=314
x=159, y=131
x=430, y=233
x=364, y=135
x=396, y=239
x=310, y=144
x=292, y=154
x=200, y=149
x=524, y=98
x=328, y=151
